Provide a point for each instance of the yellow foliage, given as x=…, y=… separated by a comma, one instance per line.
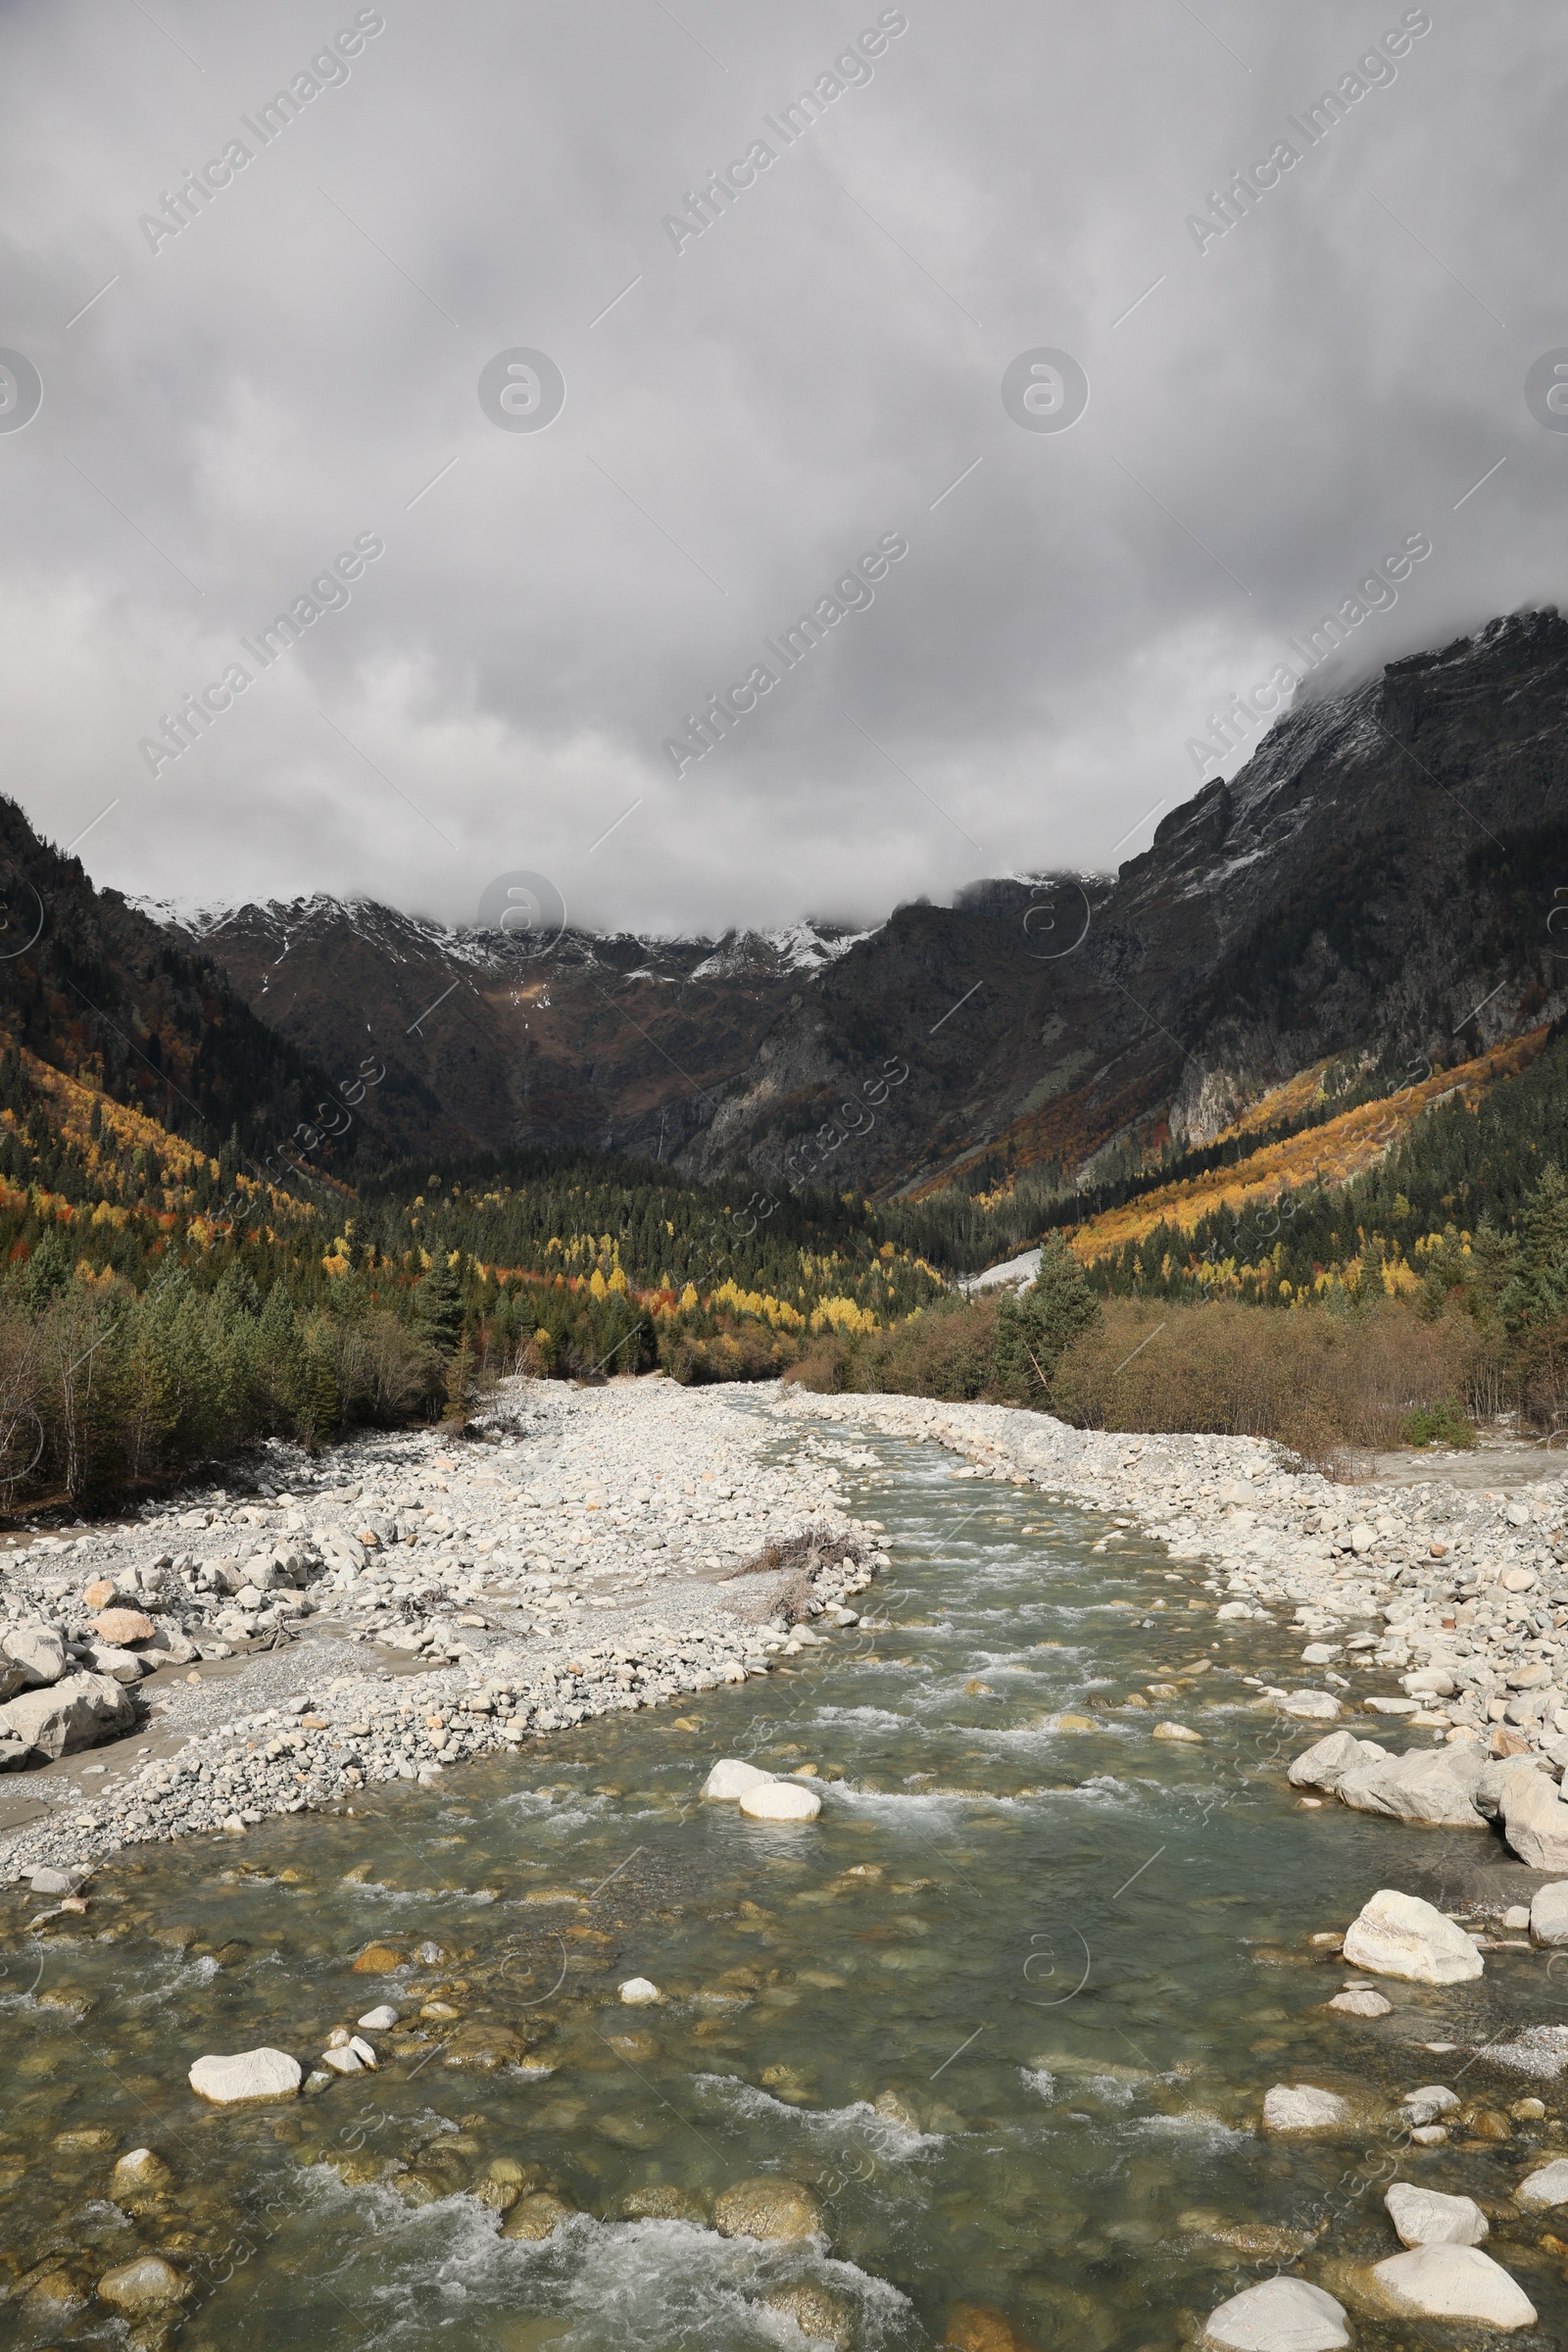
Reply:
x=842, y=1314
x=598, y=1287
x=688, y=1300
x=617, y=1280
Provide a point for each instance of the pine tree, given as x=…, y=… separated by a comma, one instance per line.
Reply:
x=438, y=1304
x=1538, y=1290
x=1034, y=1330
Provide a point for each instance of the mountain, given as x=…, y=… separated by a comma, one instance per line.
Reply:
x=493, y=1041
x=1376, y=881
x=95, y=988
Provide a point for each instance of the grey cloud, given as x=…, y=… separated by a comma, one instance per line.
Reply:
x=300, y=364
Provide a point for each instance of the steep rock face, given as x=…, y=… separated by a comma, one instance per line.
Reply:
x=1378, y=877
x=490, y=1041
x=94, y=987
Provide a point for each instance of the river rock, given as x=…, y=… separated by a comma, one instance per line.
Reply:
x=378, y=2020
x=537, y=2217
x=730, y=1779
x=1535, y=1820
x=1548, y=1913
x=1425, y=2105
x=1424, y=2217
x=146, y=2283
x=781, y=1800
x=1314, y=1706
x=1300, y=2107
x=1401, y=1935
x=769, y=2207
x=1178, y=1731
x=1497, y=1772
x=263, y=2073
x=1454, y=2282
x=73, y=1713
x=1283, y=2315
x=1359, y=2003
x=1324, y=1764
x=821, y=2317
x=140, y=2172
x=119, y=1626
x=637, y=1991
x=1546, y=2187
x=663, y=2201
x=37, y=1651
x=1434, y=1786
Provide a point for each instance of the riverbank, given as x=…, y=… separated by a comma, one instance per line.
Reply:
x=412, y=1601
x=404, y=1605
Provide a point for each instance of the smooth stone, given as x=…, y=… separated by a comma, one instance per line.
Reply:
x=781, y=1800
x=345, y=2061
x=378, y=2020
x=1535, y=1820
x=1435, y=1787
x=730, y=1779
x=1316, y=1706
x=37, y=1651
x=76, y=1713
x=1283, y=2315
x=1324, y=1764
x=1360, y=2004
x=1454, y=2282
x=1400, y=1935
x=663, y=2202
x=51, y=1881
x=379, y=1960
x=821, y=2317
x=1178, y=1731
x=140, y=2172
x=637, y=1991
x=1425, y=2217
x=537, y=2217
x=263, y=2073
x=1546, y=2187
x=145, y=2284
x=1433, y=2099
x=120, y=1627
x=769, y=2207
x=1299, y=2107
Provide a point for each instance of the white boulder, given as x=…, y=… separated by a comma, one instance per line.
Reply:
x=249, y=2075
x=1535, y=1820
x=1548, y=1913
x=730, y=1779
x=638, y=1992
x=378, y=2020
x=1546, y=2187
x=1300, y=2107
x=1454, y=2282
x=1432, y=1786
x=1324, y=1764
x=781, y=1800
x=1425, y=2217
x=1313, y=1706
x=1283, y=2315
x=38, y=1651
x=77, y=1711
x=1401, y=1935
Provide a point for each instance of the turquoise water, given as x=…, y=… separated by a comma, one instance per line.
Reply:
x=1007, y=2010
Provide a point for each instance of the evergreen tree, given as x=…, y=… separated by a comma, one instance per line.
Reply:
x=1034, y=1330
x=1537, y=1290
x=438, y=1304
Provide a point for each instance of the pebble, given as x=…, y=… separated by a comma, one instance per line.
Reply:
x=637, y=1991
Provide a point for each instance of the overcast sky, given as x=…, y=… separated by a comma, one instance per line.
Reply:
x=1274, y=406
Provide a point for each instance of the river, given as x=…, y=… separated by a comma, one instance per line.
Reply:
x=1007, y=2008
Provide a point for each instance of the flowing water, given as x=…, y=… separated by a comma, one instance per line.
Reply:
x=1007, y=2009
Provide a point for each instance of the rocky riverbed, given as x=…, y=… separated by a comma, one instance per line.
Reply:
x=410, y=1601
x=404, y=1605
x=1433, y=1608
